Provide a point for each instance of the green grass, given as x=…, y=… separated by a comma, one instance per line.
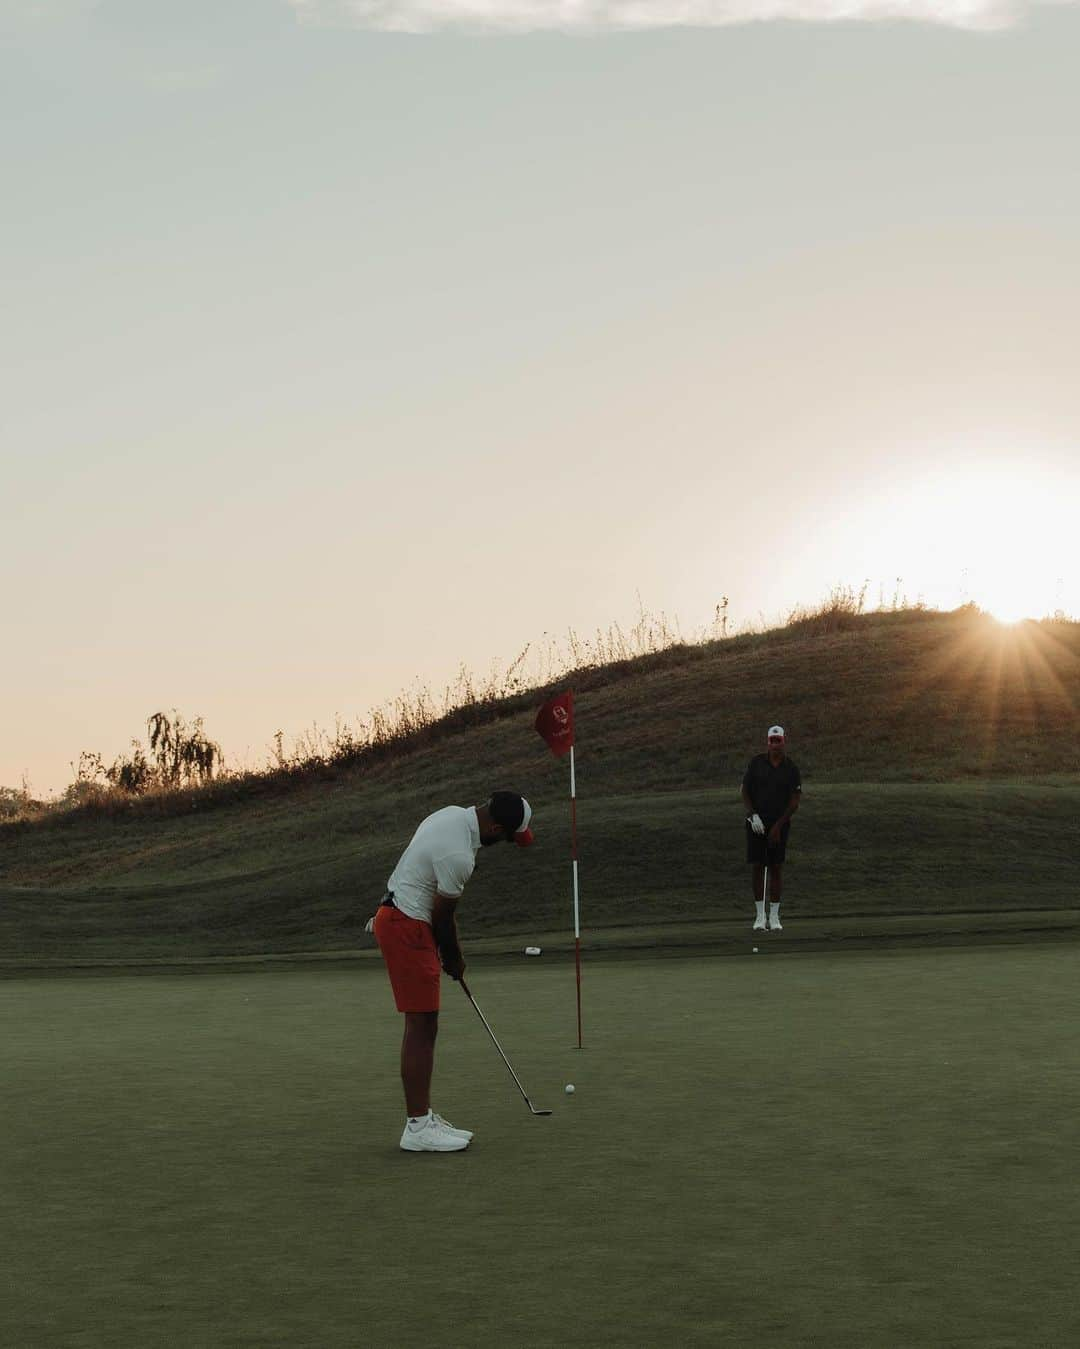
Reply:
x=850, y=1150
x=209, y=888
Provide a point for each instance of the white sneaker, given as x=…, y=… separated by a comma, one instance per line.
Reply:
x=461, y=1133
x=775, y=925
x=431, y=1137
x=759, y=924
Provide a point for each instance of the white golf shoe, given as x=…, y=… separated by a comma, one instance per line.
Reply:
x=775, y=925
x=461, y=1133
x=431, y=1136
x=759, y=924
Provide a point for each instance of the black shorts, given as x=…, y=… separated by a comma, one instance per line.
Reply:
x=760, y=851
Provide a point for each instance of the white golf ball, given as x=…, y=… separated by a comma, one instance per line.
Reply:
x=755, y=950
x=569, y=1088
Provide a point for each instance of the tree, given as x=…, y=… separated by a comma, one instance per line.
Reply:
x=182, y=753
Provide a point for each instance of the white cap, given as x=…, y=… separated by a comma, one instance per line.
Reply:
x=504, y=811
x=523, y=835
x=776, y=730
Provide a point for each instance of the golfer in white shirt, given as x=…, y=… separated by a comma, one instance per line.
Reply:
x=416, y=929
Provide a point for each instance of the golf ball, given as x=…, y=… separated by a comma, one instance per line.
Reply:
x=569, y=1088
x=755, y=950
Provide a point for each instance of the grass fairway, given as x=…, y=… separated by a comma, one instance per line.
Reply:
x=873, y=850
x=845, y=1150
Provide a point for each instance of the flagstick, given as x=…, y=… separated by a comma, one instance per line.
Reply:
x=577, y=912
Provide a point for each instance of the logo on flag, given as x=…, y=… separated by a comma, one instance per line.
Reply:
x=555, y=722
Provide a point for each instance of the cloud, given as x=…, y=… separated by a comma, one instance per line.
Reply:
x=599, y=16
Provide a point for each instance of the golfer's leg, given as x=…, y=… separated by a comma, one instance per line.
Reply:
x=418, y=1060
x=776, y=882
x=757, y=880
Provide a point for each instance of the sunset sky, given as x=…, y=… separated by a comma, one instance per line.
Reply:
x=347, y=342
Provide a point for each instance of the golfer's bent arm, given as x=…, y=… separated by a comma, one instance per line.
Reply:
x=444, y=926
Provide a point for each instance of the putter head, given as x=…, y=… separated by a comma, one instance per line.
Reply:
x=538, y=1112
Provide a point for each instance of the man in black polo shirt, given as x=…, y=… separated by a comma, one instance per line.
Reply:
x=771, y=788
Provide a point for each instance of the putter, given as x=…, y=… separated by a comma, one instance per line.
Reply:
x=498, y=1046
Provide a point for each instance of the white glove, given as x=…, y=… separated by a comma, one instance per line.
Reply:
x=756, y=823
x=369, y=926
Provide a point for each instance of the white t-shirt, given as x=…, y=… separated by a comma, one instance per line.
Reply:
x=439, y=860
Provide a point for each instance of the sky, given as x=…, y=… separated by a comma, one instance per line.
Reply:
x=349, y=342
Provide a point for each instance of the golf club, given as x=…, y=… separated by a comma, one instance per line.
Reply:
x=498, y=1046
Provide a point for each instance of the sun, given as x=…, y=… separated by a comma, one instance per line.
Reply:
x=1010, y=593
x=1014, y=532
x=998, y=535
x=1009, y=616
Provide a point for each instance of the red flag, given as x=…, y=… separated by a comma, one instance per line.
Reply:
x=555, y=722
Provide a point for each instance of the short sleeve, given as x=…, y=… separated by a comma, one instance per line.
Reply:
x=796, y=778
x=451, y=873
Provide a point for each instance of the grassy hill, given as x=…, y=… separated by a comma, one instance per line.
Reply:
x=941, y=774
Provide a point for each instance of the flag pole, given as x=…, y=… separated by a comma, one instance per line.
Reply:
x=577, y=911
x=555, y=723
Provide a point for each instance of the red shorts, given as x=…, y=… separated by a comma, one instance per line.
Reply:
x=412, y=960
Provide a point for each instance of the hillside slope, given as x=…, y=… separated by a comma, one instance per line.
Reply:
x=939, y=756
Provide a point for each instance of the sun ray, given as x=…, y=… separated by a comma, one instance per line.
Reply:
x=1032, y=642
x=997, y=682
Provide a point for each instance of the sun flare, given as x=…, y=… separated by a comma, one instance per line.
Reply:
x=995, y=536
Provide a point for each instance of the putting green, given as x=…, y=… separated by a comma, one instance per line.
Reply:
x=860, y=1149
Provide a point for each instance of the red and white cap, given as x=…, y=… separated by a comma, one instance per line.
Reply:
x=776, y=732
